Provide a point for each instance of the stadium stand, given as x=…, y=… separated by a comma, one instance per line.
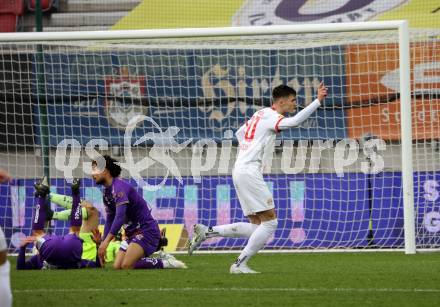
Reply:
x=74, y=15
x=11, y=12
x=46, y=5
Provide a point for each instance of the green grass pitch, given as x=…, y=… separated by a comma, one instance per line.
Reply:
x=326, y=279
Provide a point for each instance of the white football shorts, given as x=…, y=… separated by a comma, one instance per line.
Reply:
x=252, y=191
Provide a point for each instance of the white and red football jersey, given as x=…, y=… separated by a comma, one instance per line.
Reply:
x=258, y=133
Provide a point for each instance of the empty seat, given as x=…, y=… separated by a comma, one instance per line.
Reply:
x=15, y=7
x=8, y=22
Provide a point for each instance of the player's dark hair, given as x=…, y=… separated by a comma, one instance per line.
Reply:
x=282, y=91
x=112, y=166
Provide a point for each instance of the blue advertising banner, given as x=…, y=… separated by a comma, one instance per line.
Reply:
x=176, y=74
x=100, y=119
x=202, y=92
x=314, y=210
x=387, y=210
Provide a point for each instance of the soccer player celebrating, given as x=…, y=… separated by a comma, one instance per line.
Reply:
x=124, y=205
x=5, y=284
x=55, y=252
x=255, y=198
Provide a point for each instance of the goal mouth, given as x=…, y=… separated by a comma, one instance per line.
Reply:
x=345, y=179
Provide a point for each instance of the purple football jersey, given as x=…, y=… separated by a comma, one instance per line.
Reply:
x=124, y=205
x=56, y=252
x=63, y=251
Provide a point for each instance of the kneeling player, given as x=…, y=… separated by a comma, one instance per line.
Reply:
x=60, y=252
x=125, y=206
x=89, y=232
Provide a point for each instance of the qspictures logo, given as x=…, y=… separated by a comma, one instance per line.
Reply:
x=275, y=12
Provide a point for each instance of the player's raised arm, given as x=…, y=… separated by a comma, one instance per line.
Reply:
x=322, y=91
x=301, y=116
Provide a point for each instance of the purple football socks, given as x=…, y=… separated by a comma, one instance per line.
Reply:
x=76, y=212
x=148, y=263
x=40, y=213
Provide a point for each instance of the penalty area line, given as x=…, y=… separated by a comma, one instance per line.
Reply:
x=396, y=290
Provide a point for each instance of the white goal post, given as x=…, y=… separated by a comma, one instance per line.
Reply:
x=197, y=36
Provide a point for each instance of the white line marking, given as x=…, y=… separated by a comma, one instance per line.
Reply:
x=397, y=290
x=300, y=251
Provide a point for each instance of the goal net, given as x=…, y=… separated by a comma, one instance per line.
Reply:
x=175, y=103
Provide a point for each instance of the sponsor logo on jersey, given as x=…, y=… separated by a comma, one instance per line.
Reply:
x=120, y=194
x=269, y=12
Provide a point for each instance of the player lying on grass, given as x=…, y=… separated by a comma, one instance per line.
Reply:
x=89, y=232
x=124, y=205
x=55, y=252
x=255, y=198
x=5, y=284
